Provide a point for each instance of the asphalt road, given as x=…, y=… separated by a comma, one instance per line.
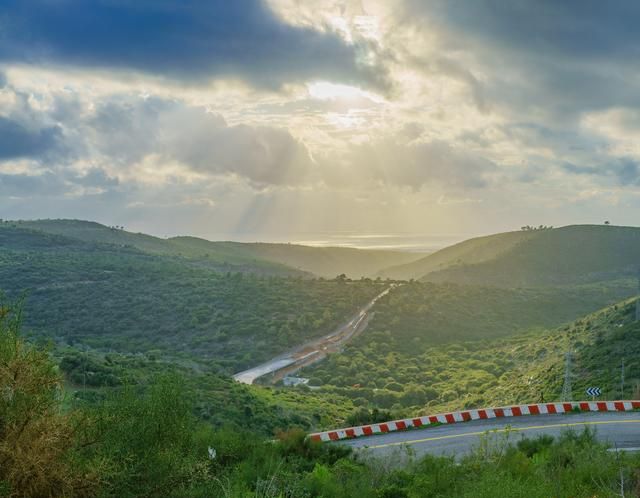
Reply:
x=621, y=429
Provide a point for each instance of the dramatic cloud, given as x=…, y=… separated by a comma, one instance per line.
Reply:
x=17, y=141
x=182, y=39
x=434, y=115
x=572, y=29
x=545, y=56
x=129, y=134
x=128, y=130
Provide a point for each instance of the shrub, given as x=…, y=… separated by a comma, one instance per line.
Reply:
x=38, y=454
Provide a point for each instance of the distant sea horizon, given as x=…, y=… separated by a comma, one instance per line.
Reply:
x=380, y=241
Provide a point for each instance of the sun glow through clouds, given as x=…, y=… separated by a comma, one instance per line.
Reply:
x=323, y=90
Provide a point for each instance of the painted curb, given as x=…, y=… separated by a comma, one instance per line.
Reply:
x=479, y=414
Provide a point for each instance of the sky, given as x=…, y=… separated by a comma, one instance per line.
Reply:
x=320, y=120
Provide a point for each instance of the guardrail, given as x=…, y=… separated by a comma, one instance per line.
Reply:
x=479, y=414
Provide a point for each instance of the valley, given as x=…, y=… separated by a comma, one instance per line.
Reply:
x=313, y=351
x=119, y=312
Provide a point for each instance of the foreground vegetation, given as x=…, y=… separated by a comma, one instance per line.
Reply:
x=91, y=377
x=147, y=442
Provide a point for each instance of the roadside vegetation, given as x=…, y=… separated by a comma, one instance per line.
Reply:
x=91, y=377
x=147, y=441
x=404, y=373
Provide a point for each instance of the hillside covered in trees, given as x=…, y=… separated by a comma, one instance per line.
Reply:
x=275, y=259
x=551, y=256
x=392, y=370
x=114, y=298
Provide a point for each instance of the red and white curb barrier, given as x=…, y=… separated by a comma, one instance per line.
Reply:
x=468, y=415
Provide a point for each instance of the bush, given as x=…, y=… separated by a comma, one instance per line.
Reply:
x=148, y=439
x=38, y=443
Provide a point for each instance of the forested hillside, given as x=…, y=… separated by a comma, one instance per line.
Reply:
x=145, y=342
x=470, y=251
x=425, y=313
x=412, y=368
x=568, y=255
x=122, y=299
x=282, y=259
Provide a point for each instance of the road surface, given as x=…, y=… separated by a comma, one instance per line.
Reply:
x=311, y=351
x=617, y=428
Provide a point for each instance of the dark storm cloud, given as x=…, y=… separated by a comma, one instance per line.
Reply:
x=545, y=66
x=625, y=171
x=184, y=39
x=555, y=56
x=578, y=29
x=583, y=29
x=17, y=141
x=21, y=185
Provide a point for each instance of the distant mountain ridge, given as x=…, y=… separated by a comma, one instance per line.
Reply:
x=568, y=255
x=288, y=259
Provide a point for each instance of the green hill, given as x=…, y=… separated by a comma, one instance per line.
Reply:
x=220, y=257
x=119, y=298
x=260, y=257
x=470, y=251
x=567, y=255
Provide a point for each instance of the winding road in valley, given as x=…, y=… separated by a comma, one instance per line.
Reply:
x=621, y=430
x=312, y=351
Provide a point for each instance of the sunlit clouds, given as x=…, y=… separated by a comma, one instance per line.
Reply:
x=286, y=117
